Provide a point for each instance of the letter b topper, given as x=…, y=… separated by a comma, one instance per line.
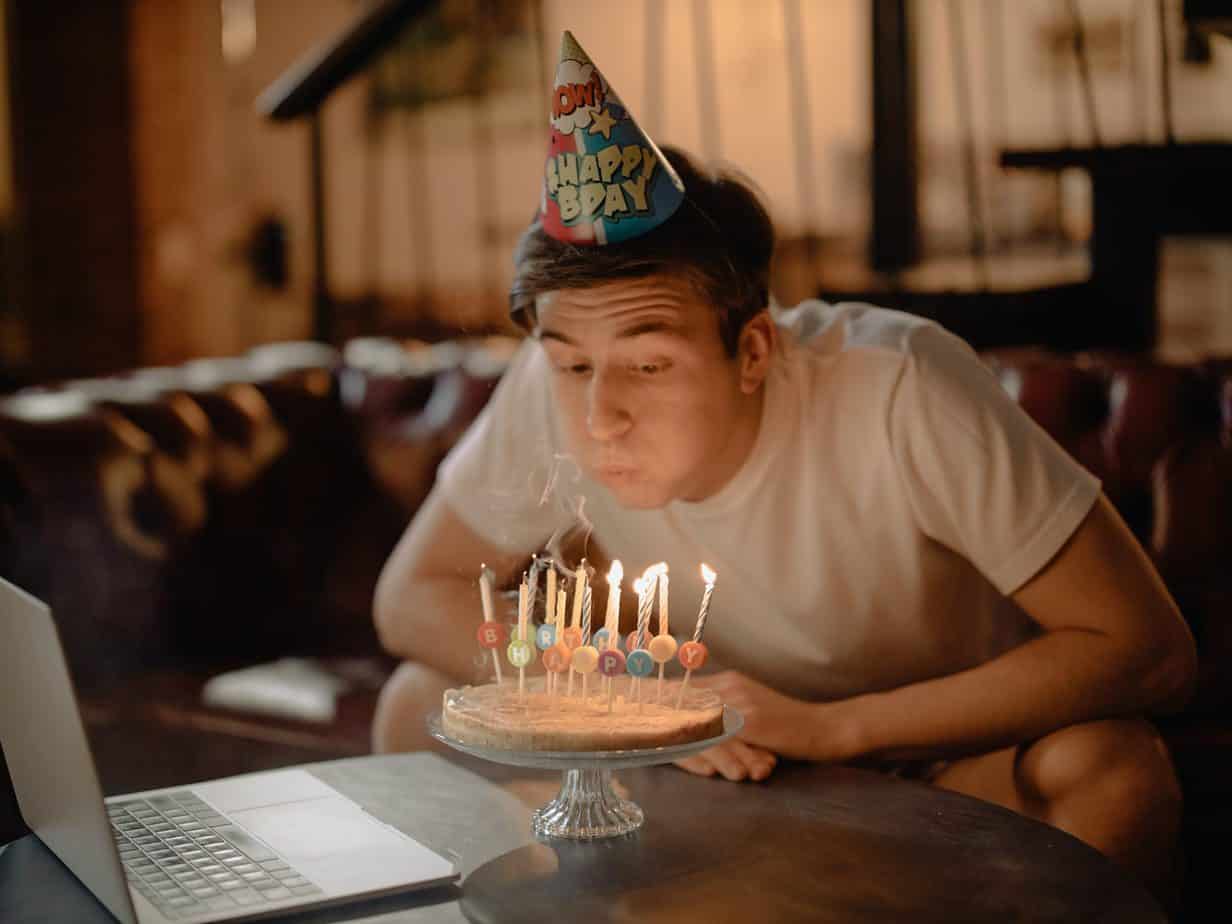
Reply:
x=491, y=634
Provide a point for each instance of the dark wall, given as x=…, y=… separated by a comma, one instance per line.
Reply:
x=11, y=824
x=76, y=256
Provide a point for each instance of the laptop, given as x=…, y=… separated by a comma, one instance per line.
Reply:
x=226, y=850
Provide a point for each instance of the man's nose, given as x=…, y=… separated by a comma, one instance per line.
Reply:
x=607, y=415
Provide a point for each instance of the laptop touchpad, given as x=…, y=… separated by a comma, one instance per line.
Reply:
x=317, y=828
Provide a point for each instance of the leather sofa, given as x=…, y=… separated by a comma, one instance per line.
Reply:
x=231, y=511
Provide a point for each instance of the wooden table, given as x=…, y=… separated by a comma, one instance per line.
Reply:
x=813, y=844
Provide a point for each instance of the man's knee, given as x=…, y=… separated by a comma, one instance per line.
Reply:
x=1124, y=761
x=412, y=693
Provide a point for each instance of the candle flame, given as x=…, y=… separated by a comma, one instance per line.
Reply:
x=639, y=585
x=616, y=573
x=708, y=575
x=661, y=568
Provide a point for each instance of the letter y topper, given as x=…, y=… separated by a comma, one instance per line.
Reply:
x=604, y=180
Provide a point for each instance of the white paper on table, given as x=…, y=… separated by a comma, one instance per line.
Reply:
x=294, y=688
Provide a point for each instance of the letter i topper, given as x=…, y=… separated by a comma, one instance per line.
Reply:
x=604, y=180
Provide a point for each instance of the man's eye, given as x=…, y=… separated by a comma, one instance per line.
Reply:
x=652, y=368
x=576, y=369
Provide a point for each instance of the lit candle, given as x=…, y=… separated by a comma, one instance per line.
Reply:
x=579, y=590
x=693, y=654
x=486, y=579
x=709, y=577
x=612, y=623
x=645, y=587
x=663, y=646
x=663, y=630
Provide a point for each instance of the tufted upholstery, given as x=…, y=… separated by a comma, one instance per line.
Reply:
x=1160, y=438
x=229, y=509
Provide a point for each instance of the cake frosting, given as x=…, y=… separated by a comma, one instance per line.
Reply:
x=497, y=716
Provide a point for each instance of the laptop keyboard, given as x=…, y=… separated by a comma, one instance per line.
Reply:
x=187, y=859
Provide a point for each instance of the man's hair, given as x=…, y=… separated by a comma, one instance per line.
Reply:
x=720, y=240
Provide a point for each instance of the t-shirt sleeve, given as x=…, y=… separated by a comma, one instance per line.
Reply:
x=983, y=478
x=498, y=477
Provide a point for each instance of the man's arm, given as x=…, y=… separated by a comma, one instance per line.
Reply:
x=427, y=605
x=1114, y=644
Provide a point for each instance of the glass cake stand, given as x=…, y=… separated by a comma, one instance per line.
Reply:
x=587, y=808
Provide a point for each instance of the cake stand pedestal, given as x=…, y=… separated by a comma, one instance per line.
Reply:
x=587, y=807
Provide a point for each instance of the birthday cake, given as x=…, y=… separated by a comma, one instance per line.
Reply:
x=597, y=694
x=497, y=716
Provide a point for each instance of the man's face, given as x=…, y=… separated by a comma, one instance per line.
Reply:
x=649, y=399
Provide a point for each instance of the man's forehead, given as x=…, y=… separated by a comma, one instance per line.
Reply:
x=665, y=303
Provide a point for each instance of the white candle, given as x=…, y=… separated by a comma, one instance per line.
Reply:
x=709, y=577
x=586, y=609
x=523, y=599
x=663, y=624
x=532, y=593
x=560, y=615
x=612, y=622
x=645, y=587
x=550, y=610
x=579, y=591
x=486, y=578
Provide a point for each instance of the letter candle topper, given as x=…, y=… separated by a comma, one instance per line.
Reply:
x=491, y=633
x=662, y=647
x=692, y=654
x=573, y=635
x=639, y=661
x=611, y=661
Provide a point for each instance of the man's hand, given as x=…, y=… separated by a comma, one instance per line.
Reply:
x=733, y=760
x=780, y=724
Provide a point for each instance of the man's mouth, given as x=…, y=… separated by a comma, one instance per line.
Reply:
x=615, y=470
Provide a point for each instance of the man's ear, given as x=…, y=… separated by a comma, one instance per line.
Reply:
x=755, y=350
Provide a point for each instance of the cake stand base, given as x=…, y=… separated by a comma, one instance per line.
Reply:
x=587, y=808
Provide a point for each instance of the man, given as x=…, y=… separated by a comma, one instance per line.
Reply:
x=910, y=571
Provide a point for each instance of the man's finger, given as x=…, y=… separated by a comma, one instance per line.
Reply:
x=696, y=765
x=728, y=762
x=759, y=761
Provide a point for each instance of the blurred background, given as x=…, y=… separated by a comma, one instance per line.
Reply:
x=152, y=212
x=254, y=257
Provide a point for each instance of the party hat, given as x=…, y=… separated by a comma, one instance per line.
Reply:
x=604, y=180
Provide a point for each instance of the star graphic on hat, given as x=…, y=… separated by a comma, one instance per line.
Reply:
x=602, y=122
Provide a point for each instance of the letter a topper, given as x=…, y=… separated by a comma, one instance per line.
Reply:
x=636, y=189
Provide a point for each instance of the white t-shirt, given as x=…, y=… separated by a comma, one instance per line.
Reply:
x=892, y=499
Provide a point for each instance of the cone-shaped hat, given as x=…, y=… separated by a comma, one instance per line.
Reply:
x=604, y=180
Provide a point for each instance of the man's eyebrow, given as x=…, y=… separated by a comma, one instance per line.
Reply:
x=649, y=327
x=555, y=335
